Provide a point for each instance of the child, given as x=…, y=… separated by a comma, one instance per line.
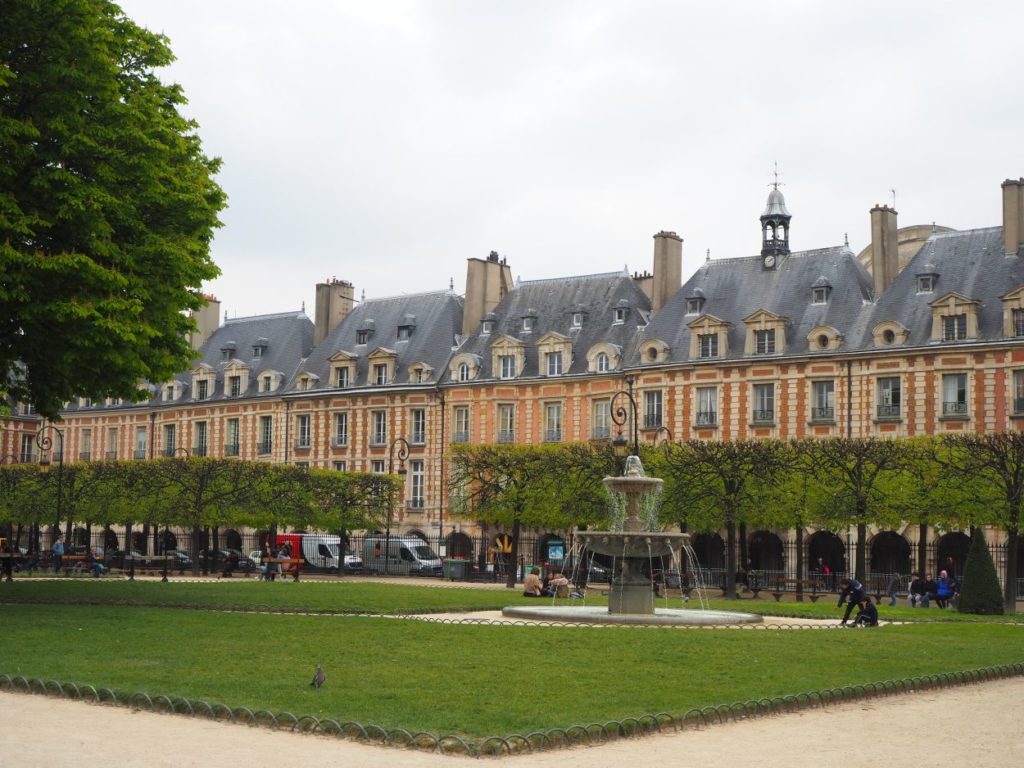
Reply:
x=867, y=616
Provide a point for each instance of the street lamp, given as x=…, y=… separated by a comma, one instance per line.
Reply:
x=403, y=453
x=44, y=440
x=620, y=416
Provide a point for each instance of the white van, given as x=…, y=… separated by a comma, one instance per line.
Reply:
x=320, y=550
x=400, y=556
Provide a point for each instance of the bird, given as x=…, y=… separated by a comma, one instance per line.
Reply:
x=319, y=677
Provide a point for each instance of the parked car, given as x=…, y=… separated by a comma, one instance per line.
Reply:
x=175, y=559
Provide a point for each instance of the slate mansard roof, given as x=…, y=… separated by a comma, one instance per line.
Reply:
x=432, y=319
x=552, y=303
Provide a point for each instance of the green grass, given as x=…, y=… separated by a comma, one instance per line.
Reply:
x=475, y=680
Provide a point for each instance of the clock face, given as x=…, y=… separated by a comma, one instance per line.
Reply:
x=769, y=261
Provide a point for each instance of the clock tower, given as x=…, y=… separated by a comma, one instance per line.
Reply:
x=774, y=228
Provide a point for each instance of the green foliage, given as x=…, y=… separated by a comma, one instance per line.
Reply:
x=980, y=591
x=107, y=206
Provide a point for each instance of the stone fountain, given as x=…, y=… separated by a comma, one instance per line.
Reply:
x=631, y=596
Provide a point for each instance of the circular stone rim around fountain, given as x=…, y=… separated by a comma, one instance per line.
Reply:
x=676, y=617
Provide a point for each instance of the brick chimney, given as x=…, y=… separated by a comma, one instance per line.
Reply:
x=885, y=252
x=1013, y=216
x=334, y=300
x=207, y=320
x=487, y=282
x=668, y=268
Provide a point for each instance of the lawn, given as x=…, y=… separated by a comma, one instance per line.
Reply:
x=473, y=680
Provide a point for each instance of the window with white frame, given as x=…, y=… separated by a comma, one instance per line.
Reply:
x=463, y=371
x=552, y=422
x=601, y=423
x=460, y=424
x=925, y=283
x=342, y=377
x=202, y=389
x=889, y=397
x=554, y=360
x=954, y=394
x=823, y=401
x=339, y=466
x=268, y=383
x=577, y=319
x=302, y=430
x=488, y=328
x=377, y=466
x=170, y=439
x=508, y=366
x=341, y=429
x=266, y=444
x=652, y=409
x=954, y=327
x=27, y=448
x=506, y=423
x=418, y=419
x=764, y=341
x=707, y=406
x=111, y=443
x=85, y=449
x=819, y=295
x=708, y=344
x=416, y=476
x=141, y=441
x=380, y=427
x=200, y=448
x=620, y=315
x=528, y=323
x=764, y=403
x=234, y=386
x=1018, y=322
x=380, y=374
x=603, y=363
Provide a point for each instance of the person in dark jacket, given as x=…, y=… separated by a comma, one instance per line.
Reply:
x=853, y=593
x=867, y=615
x=919, y=596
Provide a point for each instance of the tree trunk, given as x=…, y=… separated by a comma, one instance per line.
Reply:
x=197, y=537
x=801, y=567
x=862, y=537
x=1010, y=586
x=510, y=577
x=730, y=560
x=922, y=549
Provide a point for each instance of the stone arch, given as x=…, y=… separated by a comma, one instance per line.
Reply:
x=954, y=544
x=829, y=548
x=139, y=541
x=709, y=549
x=110, y=541
x=79, y=537
x=890, y=553
x=233, y=539
x=168, y=540
x=459, y=545
x=765, y=551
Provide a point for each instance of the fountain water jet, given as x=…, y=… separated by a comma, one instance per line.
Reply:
x=631, y=597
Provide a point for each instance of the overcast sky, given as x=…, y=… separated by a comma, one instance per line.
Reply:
x=387, y=142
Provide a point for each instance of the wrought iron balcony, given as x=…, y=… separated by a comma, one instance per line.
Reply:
x=340, y=441
x=823, y=414
x=506, y=436
x=460, y=437
x=764, y=416
x=600, y=433
x=302, y=444
x=552, y=435
x=231, y=449
x=707, y=418
x=889, y=411
x=265, y=447
x=954, y=408
x=652, y=420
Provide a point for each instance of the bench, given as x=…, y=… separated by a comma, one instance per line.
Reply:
x=878, y=588
x=72, y=564
x=800, y=587
x=283, y=562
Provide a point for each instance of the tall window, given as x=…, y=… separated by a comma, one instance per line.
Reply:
x=620, y=315
x=954, y=394
x=380, y=374
x=603, y=363
x=764, y=341
x=266, y=383
x=302, y=430
x=652, y=409
x=202, y=389
x=553, y=422
x=764, y=402
x=141, y=442
x=266, y=434
x=416, y=487
x=235, y=385
x=341, y=429
x=1018, y=391
x=27, y=443
x=200, y=448
x=463, y=371
x=231, y=444
x=506, y=423
x=707, y=406
x=708, y=344
x=380, y=427
x=341, y=379
x=460, y=424
x=377, y=466
x=823, y=405
x=111, y=443
x=170, y=439
x=85, y=452
x=554, y=363
x=601, y=424
x=954, y=327
x=889, y=397
x=1018, y=322
x=419, y=426
x=508, y=366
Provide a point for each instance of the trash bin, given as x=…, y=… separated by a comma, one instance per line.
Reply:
x=456, y=568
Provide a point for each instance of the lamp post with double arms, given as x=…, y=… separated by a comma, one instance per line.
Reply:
x=403, y=453
x=620, y=417
x=44, y=439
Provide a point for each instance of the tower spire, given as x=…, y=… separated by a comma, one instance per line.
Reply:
x=774, y=224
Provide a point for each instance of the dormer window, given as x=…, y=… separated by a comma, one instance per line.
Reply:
x=602, y=363
x=764, y=341
x=488, y=327
x=620, y=315
x=362, y=336
x=508, y=366
x=341, y=380
x=202, y=389
x=695, y=303
x=169, y=393
x=528, y=323
x=380, y=374
x=257, y=352
x=407, y=327
x=926, y=283
x=577, y=319
x=954, y=327
x=554, y=360
x=463, y=371
x=266, y=383
x=259, y=347
x=819, y=296
x=365, y=333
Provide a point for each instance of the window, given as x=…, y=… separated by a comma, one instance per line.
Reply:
x=1018, y=392
x=416, y=486
x=708, y=344
x=380, y=427
x=257, y=352
x=554, y=363
x=168, y=393
x=231, y=444
x=302, y=431
x=170, y=439
x=235, y=385
x=111, y=444
x=463, y=371
x=954, y=327
x=652, y=409
x=380, y=374
x=377, y=466
x=488, y=327
x=603, y=363
x=341, y=429
x=339, y=466
x=823, y=401
x=85, y=450
x=266, y=434
x=419, y=426
x=764, y=341
x=1018, y=322
x=925, y=283
x=200, y=447
x=202, y=389
x=506, y=423
x=508, y=366
x=620, y=315
x=889, y=398
x=577, y=319
x=27, y=442
x=460, y=424
x=707, y=406
x=601, y=424
x=528, y=324
x=553, y=422
x=141, y=442
x=694, y=305
x=226, y=354
x=764, y=403
x=341, y=379
x=404, y=332
x=819, y=295
x=954, y=394
x=266, y=383
x=362, y=337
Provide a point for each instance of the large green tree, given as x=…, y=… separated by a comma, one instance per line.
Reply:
x=107, y=205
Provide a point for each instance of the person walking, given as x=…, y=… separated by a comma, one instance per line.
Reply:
x=58, y=553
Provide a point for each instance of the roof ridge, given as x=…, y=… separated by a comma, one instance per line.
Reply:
x=956, y=232
x=595, y=276
x=422, y=294
x=272, y=315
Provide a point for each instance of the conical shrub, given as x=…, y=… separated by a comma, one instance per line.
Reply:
x=980, y=591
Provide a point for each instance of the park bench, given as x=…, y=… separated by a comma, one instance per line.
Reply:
x=286, y=563
x=801, y=587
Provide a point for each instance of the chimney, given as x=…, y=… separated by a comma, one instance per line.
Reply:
x=487, y=282
x=334, y=300
x=668, y=268
x=207, y=320
x=1013, y=216
x=885, y=253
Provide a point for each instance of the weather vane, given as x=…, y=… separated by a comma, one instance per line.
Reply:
x=775, y=173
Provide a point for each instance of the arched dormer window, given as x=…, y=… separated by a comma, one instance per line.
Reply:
x=464, y=367
x=603, y=357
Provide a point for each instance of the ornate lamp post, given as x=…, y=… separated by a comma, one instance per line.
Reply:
x=403, y=453
x=44, y=439
x=620, y=417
